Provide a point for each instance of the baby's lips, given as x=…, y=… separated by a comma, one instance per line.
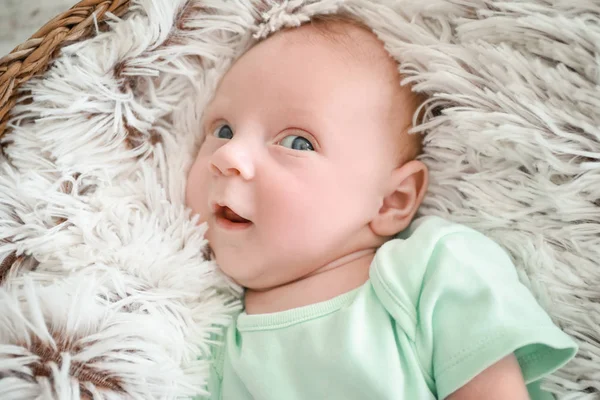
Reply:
x=232, y=215
x=223, y=210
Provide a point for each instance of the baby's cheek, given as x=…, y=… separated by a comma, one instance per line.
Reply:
x=197, y=189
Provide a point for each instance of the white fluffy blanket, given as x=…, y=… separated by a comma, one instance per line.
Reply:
x=105, y=293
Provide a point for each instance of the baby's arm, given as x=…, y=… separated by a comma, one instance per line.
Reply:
x=501, y=381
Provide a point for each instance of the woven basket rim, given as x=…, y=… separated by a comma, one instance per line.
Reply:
x=33, y=57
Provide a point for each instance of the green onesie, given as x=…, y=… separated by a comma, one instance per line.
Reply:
x=443, y=303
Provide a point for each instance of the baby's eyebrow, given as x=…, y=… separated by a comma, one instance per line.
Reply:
x=218, y=102
x=303, y=118
x=221, y=99
x=300, y=112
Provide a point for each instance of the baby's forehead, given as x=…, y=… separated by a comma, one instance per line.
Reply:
x=313, y=51
x=355, y=43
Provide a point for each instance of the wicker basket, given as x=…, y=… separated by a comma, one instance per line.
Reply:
x=35, y=55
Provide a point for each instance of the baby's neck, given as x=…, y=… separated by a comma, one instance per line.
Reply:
x=333, y=279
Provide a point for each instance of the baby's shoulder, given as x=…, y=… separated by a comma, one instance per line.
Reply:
x=433, y=243
x=456, y=295
x=433, y=257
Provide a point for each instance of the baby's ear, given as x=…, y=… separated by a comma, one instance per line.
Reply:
x=408, y=185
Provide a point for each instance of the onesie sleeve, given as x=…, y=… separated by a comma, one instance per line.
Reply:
x=457, y=296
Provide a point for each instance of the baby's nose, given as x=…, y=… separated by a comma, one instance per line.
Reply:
x=232, y=159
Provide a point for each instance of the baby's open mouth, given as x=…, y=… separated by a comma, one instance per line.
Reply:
x=230, y=219
x=229, y=214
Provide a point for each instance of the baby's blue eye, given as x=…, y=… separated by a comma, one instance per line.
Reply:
x=296, y=142
x=224, y=132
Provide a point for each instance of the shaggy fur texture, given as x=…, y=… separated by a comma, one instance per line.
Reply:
x=105, y=292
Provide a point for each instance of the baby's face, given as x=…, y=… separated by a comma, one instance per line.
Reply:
x=299, y=144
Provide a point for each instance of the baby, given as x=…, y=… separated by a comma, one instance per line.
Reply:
x=305, y=177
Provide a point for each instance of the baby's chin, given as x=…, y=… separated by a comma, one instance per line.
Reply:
x=234, y=269
x=245, y=275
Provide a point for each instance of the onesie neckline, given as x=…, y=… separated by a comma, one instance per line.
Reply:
x=283, y=319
